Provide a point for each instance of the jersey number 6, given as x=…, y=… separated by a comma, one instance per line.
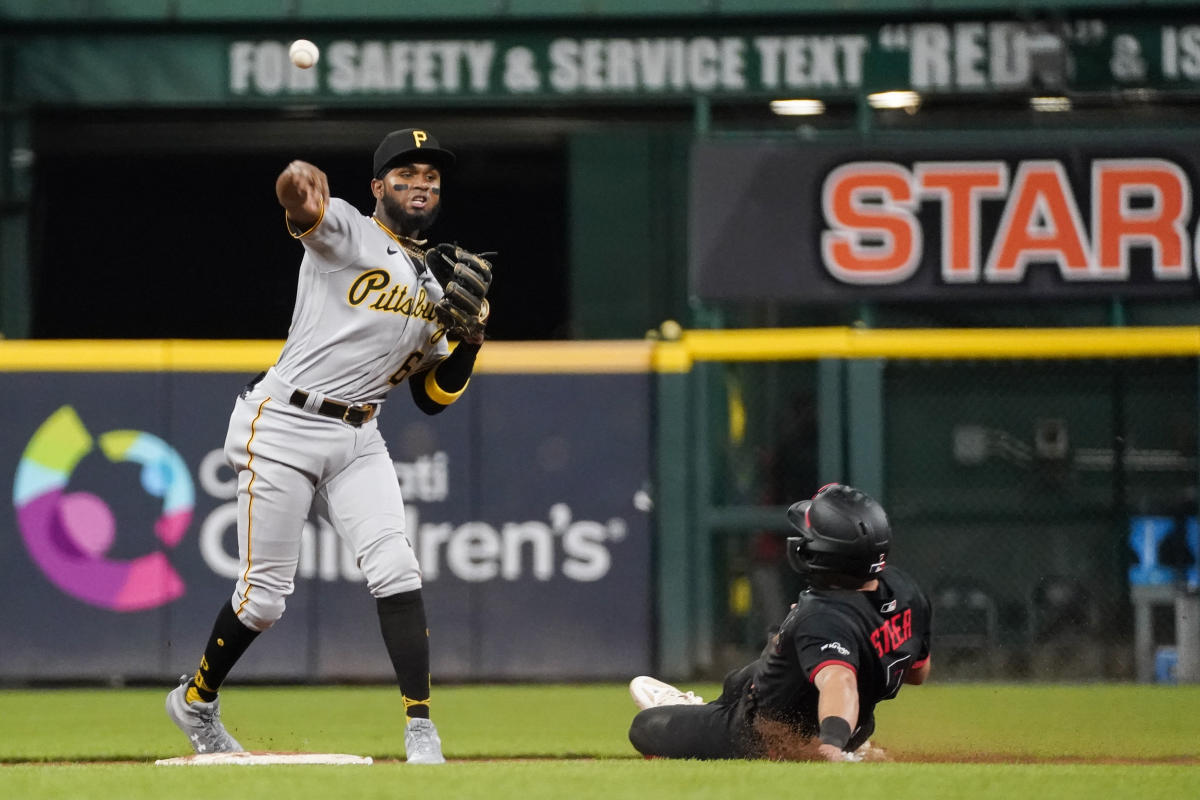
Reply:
x=409, y=364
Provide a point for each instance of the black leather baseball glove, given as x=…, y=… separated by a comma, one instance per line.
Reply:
x=465, y=279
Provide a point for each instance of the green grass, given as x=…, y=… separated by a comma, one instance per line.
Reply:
x=61, y=744
x=609, y=779
x=1044, y=721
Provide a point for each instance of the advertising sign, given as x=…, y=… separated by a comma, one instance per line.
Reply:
x=814, y=223
x=811, y=58
x=120, y=543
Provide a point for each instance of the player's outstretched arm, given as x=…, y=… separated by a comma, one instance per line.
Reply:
x=435, y=389
x=837, y=709
x=303, y=191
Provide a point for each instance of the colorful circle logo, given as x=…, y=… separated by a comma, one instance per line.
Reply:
x=68, y=533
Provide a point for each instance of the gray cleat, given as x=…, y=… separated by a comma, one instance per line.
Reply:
x=200, y=722
x=422, y=743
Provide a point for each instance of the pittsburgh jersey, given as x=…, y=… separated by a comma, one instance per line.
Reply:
x=879, y=635
x=363, y=319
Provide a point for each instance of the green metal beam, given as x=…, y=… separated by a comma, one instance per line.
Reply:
x=831, y=426
x=673, y=564
x=15, y=181
x=864, y=437
x=701, y=544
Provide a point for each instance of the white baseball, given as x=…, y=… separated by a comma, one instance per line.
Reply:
x=303, y=53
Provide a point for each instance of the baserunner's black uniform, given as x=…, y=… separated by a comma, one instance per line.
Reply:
x=878, y=634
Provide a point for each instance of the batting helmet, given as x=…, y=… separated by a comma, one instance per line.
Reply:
x=842, y=532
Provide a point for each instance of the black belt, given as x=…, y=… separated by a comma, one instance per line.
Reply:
x=354, y=415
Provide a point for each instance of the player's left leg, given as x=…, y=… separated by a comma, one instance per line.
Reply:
x=686, y=731
x=274, y=492
x=677, y=724
x=364, y=505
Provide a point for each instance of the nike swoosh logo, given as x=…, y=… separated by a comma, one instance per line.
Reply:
x=392, y=251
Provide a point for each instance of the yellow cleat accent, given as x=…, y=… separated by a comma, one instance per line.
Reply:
x=198, y=679
x=409, y=703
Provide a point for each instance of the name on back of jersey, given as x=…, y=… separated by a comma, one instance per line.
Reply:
x=892, y=633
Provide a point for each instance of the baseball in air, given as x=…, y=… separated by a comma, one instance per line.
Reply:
x=303, y=53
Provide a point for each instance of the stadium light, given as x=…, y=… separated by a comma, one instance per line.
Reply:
x=798, y=107
x=1050, y=103
x=907, y=100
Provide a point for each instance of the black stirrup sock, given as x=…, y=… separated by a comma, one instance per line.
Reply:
x=226, y=644
x=406, y=636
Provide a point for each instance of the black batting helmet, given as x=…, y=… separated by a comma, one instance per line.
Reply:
x=842, y=532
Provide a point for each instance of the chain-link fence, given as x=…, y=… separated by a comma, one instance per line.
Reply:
x=1047, y=505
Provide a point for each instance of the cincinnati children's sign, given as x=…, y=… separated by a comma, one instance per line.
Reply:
x=71, y=533
x=951, y=228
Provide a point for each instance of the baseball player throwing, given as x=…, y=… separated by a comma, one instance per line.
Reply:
x=855, y=636
x=374, y=307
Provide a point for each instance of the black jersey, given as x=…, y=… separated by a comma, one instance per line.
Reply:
x=879, y=634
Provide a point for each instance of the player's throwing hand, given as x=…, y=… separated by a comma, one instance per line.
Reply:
x=303, y=191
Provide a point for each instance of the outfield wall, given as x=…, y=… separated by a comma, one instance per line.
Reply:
x=591, y=510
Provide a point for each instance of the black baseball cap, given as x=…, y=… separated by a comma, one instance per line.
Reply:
x=410, y=145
